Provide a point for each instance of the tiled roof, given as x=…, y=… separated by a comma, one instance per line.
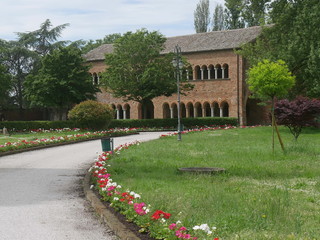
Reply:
x=200, y=42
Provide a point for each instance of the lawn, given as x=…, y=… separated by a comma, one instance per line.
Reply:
x=261, y=196
x=30, y=136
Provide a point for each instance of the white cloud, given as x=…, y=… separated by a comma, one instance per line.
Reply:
x=96, y=18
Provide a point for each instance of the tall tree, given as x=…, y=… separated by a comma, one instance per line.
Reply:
x=44, y=39
x=136, y=70
x=5, y=87
x=20, y=62
x=62, y=81
x=292, y=38
x=255, y=12
x=218, y=21
x=202, y=16
x=233, y=14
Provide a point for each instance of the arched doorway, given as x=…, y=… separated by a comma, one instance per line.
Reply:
x=166, y=110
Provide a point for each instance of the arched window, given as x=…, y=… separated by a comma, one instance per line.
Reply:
x=211, y=72
x=183, y=110
x=218, y=71
x=216, y=109
x=225, y=73
x=95, y=79
x=126, y=111
x=204, y=70
x=190, y=112
x=174, y=110
x=225, y=109
x=166, y=110
x=207, y=109
x=197, y=72
x=119, y=112
x=114, y=111
x=198, y=109
x=189, y=73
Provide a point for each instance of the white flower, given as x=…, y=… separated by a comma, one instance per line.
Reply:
x=91, y=186
x=162, y=220
x=178, y=222
x=116, y=198
x=119, y=186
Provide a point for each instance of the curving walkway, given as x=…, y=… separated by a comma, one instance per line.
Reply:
x=41, y=195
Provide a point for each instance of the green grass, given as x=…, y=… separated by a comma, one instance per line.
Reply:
x=262, y=196
x=14, y=137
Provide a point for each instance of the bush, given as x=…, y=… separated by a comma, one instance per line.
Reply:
x=91, y=114
x=297, y=114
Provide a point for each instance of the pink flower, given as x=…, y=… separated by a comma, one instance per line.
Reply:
x=183, y=229
x=111, y=188
x=172, y=226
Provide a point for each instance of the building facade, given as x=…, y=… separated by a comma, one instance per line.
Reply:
x=217, y=72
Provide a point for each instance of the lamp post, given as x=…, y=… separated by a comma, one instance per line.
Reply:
x=178, y=65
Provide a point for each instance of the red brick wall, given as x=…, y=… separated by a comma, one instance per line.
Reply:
x=232, y=90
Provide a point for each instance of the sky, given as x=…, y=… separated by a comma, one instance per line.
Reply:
x=94, y=19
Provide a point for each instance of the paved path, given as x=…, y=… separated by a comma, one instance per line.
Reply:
x=41, y=195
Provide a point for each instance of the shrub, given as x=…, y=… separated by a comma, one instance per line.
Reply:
x=91, y=114
x=172, y=123
x=296, y=114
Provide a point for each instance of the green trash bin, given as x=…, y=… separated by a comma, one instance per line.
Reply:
x=107, y=144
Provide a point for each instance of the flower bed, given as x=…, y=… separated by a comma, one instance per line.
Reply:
x=23, y=144
x=155, y=222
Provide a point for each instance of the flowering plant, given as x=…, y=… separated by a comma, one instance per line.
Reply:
x=156, y=222
x=10, y=146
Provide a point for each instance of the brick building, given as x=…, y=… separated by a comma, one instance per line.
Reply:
x=217, y=72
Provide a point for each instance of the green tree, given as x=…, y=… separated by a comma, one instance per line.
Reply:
x=268, y=80
x=202, y=16
x=218, y=21
x=87, y=46
x=233, y=14
x=62, y=81
x=44, y=39
x=5, y=87
x=20, y=62
x=136, y=69
x=292, y=38
x=255, y=12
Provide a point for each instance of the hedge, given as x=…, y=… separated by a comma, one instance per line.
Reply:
x=173, y=122
x=126, y=123
x=31, y=125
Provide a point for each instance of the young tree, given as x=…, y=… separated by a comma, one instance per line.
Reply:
x=218, y=23
x=136, y=70
x=268, y=80
x=62, y=81
x=233, y=11
x=202, y=16
x=297, y=114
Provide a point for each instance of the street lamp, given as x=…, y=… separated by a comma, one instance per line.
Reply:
x=178, y=65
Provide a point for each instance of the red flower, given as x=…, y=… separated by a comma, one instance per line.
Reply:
x=160, y=214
